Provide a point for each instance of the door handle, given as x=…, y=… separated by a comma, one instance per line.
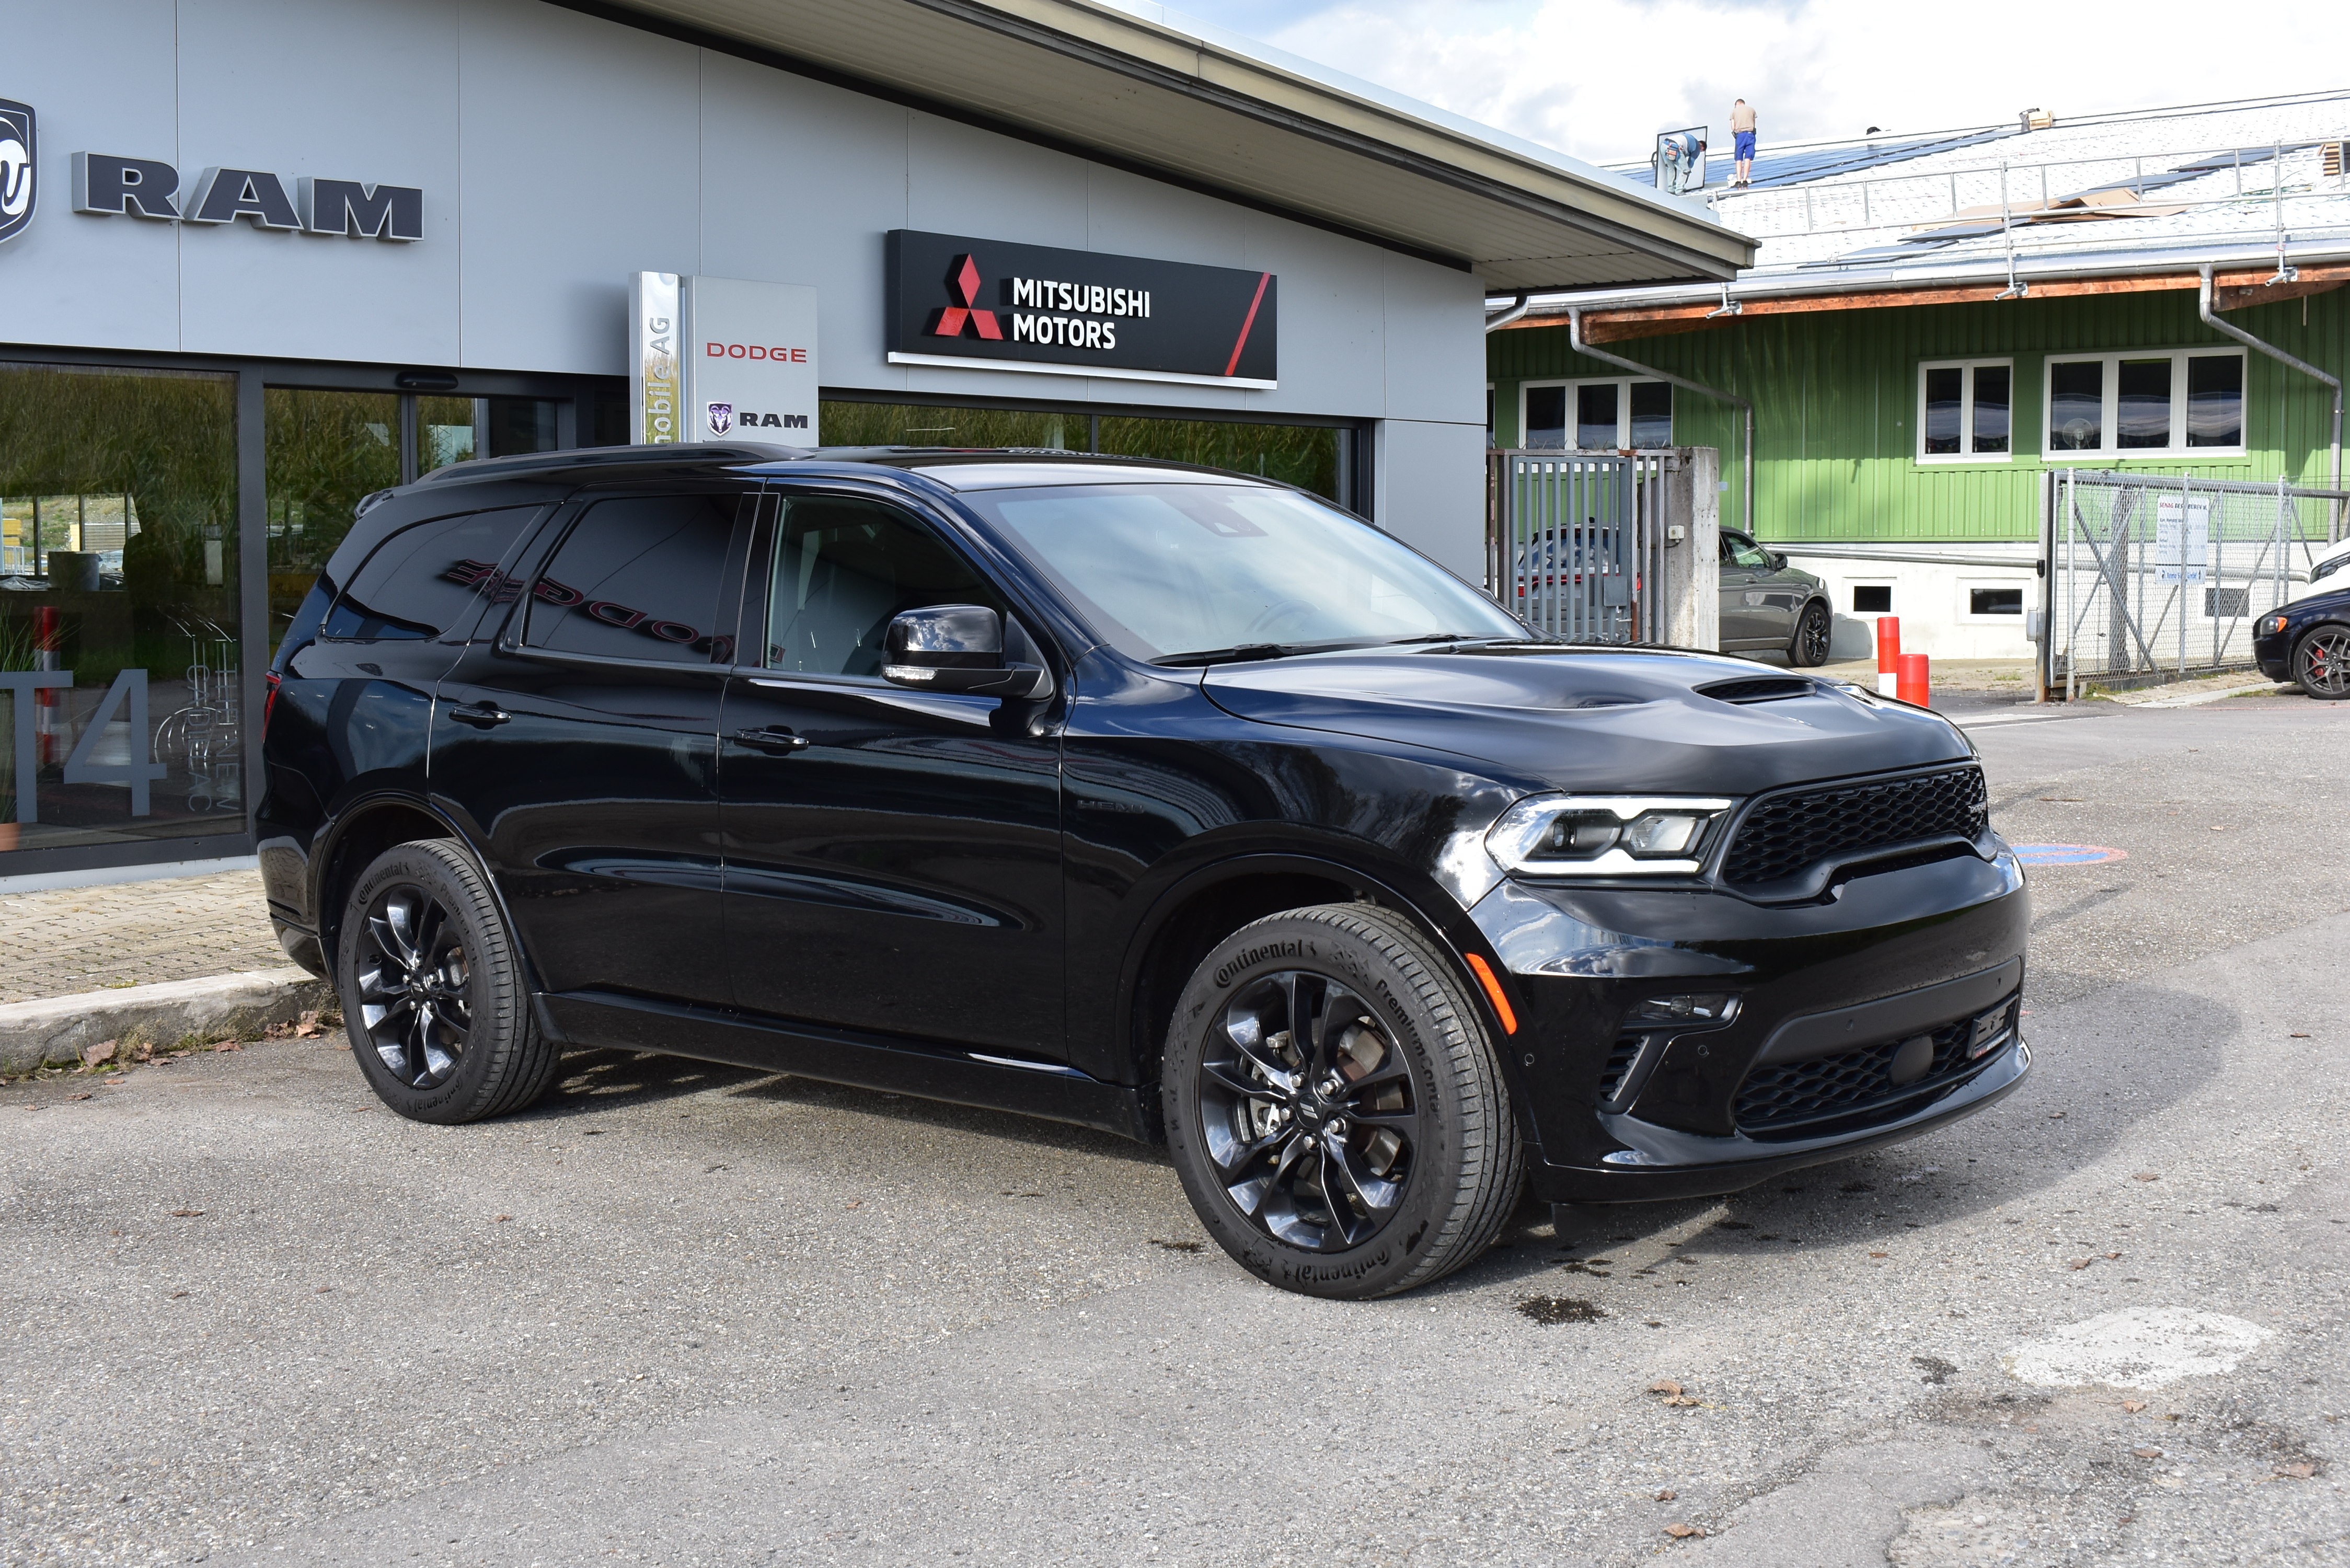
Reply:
x=480, y=715
x=774, y=739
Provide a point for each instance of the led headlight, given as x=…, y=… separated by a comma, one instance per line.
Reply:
x=1606, y=836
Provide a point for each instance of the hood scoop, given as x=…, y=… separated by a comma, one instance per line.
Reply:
x=1760, y=688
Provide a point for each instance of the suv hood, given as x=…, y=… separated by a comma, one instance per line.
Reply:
x=1606, y=721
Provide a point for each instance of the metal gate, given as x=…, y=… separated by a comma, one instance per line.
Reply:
x=1575, y=541
x=2155, y=573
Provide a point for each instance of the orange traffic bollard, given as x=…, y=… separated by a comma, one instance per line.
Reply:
x=1912, y=686
x=1888, y=653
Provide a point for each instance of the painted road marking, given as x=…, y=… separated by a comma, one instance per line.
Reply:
x=2067, y=854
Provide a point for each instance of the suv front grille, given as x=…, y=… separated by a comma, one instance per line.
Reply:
x=1780, y=1095
x=1788, y=834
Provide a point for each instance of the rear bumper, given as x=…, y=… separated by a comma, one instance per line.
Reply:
x=1622, y=1110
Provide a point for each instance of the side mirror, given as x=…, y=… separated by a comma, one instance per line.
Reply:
x=958, y=648
x=1778, y=562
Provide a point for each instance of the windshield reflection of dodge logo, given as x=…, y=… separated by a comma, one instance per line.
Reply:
x=18, y=175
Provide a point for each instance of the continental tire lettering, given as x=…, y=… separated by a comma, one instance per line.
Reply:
x=1247, y=957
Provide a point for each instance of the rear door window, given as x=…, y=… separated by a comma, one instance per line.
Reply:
x=637, y=577
x=429, y=579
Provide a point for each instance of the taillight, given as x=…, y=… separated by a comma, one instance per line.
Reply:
x=268, y=702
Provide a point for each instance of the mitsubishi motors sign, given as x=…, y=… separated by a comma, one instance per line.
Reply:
x=716, y=358
x=993, y=305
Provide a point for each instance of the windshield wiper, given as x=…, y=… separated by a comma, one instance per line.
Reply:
x=1238, y=654
x=1446, y=637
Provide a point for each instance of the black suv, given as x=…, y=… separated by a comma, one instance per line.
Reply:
x=1157, y=799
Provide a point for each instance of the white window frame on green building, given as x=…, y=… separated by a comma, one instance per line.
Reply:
x=1572, y=394
x=1968, y=373
x=2175, y=447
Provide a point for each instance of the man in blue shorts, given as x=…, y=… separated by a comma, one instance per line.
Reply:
x=1741, y=129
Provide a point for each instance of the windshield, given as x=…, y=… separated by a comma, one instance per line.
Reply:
x=1165, y=570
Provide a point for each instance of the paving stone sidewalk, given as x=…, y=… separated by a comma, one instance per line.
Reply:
x=62, y=943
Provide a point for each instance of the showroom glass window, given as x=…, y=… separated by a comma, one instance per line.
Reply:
x=1312, y=457
x=119, y=669
x=2166, y=403
x=1963, y=411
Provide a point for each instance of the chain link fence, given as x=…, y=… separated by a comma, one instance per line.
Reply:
x=2155, y=573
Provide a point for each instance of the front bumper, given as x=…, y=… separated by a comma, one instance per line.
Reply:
x=1622, y=1110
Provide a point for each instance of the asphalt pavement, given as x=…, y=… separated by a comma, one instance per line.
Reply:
x=685, y=1315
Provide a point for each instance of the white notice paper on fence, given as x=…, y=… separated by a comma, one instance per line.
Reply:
x=2182, y=539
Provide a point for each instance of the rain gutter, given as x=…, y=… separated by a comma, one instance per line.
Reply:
x=1575, y=337
x=2203, y=302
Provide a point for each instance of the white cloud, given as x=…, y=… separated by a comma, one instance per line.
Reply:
x=1597, y=78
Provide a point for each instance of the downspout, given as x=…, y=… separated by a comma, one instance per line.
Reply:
x=1495, y=323
x=1575, y=337
x=2273, y=352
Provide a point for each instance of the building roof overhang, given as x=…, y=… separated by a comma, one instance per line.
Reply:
x=1174, y=99
x=2240, y=278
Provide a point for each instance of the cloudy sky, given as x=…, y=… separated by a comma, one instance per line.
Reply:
x=1598, y=78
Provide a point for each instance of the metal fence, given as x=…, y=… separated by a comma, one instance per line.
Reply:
x=1575, y=541
x=2154, y=573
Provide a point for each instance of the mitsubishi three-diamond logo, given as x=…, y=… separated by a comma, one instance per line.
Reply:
x=963, y=281
x=19, y=179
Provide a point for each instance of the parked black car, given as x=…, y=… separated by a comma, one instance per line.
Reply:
x=1153, y=798
x=2308, y=641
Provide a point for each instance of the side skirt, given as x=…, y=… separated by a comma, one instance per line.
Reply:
x=1054, y=1092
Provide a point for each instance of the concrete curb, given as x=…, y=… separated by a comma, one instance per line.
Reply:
x=58, y=1029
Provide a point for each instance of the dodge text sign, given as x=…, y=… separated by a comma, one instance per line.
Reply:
x=998, y=305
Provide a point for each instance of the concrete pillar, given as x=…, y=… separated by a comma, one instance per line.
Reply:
x=1692, y=574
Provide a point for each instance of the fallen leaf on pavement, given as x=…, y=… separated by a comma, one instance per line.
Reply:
x=2147, y=1453
x=1878, y=1254
x=504, y=1218
x=2297, y=1034
x=228, y=1045
x=1682, y=1531
x=2056, y=1116
x=2113, y=1257
x=2133, y=1406
x=2300, y=1469
x=1666, y=1495
x=186, y=1213
x=2082, y=1262
x=70, y=1097
x=1664, y=1385
x=857, y=1203
x=102, y=1052
x=2147, y=1175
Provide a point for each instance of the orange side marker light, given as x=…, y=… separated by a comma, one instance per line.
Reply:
x=1485, y=974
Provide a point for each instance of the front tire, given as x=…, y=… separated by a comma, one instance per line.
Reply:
x=2320, y=663
x=1812, y=631
x=1334, y=1109
x=434, y=996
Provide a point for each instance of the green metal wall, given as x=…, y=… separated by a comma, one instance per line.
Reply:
x=1835, y=401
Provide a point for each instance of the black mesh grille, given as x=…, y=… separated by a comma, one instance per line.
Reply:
x=1791, y=832
x=1781, y=1094
x=1619, y=1062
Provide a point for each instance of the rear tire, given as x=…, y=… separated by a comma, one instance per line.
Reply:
x=1334, y=1109
x=2320, y=663
x=434, y=996
x=1813, y=632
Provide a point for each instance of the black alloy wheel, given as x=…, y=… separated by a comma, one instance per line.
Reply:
x=1812, y=630
x=2320, y=663
x=1306, y=1109
x=415, y=1008
x=433, y=989
x=1334, y=1107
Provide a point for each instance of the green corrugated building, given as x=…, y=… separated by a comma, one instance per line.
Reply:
x=1919, y=352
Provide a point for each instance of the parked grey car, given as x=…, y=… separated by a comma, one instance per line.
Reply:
x=1767, y=604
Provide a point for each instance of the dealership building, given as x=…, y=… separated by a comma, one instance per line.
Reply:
x=260, y=258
